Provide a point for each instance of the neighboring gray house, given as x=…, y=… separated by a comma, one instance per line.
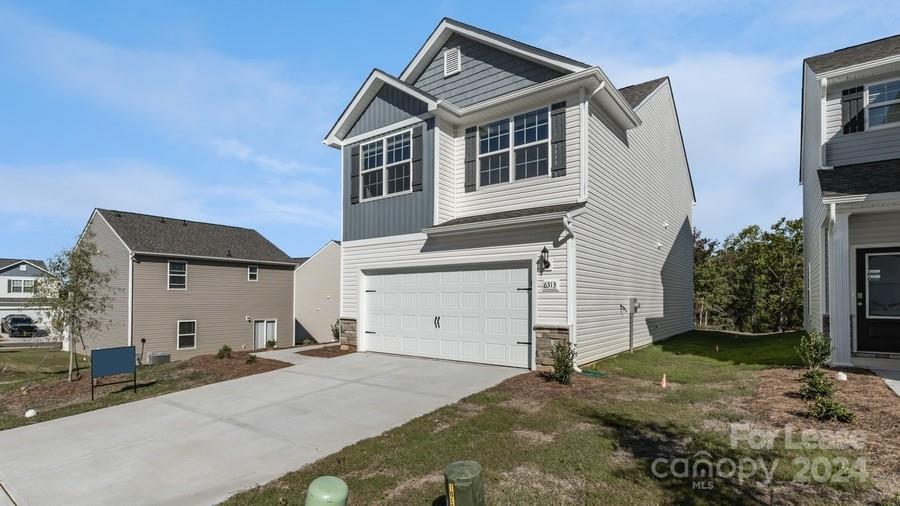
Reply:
x=850, y=171
x=17, y=278
x=317, y=294
x=187, y=288
x=498, y=198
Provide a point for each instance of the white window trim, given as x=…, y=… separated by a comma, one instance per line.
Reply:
x=264, y=322
x=385, y=166
x=869, y=105
x=169, y=274
x=178, y=335
x=248, y=272
x=512, y=149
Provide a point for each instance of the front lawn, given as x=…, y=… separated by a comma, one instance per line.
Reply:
x=36, y=379
x=596, y=441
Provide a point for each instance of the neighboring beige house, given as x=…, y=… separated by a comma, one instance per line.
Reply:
x=317, y=289
x=187, y=288
x=17, y=278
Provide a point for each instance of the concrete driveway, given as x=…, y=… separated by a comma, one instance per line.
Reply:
x=200, y=446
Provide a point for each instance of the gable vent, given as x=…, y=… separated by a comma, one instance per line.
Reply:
x=452, y=62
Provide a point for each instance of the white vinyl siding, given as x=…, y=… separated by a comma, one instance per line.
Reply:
x=408, y=251
x=634, y=191
x=814, y=212
x=447, y=173
x=540, y=191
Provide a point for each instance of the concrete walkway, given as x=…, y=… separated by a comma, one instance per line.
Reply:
x=202, y=445
x=892, y=378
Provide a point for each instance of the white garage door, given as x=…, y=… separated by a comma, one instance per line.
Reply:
x=469, y=315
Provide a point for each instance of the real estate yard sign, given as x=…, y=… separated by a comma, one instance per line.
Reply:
x=113, y=361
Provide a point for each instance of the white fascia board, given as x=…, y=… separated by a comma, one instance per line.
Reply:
x=593, y=79
x=874, y=197
x=361, y=99
x=504, y=223
x=218, y=259
x=845, y=73
x=448, y=27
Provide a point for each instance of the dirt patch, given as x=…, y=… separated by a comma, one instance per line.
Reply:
x=326, y=352
x=876, y=407
x=534, y=436
x=197, y=371
x=402, y=489
x=459, y=412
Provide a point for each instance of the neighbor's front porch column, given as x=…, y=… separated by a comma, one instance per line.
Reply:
x=841, y=296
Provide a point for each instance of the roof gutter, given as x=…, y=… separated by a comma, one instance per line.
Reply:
x=220, y=259
x=503, y=223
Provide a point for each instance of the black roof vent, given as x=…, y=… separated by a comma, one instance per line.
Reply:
x=228, y=253
x=183, y=223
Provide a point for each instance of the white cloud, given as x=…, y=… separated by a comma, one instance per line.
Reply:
x=237, y=150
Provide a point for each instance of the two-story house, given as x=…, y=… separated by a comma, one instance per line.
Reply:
x=187, y=288
x=850, y=172
x=499, y=198
x=17, y=280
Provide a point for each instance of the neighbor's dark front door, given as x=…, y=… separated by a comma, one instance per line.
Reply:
x=878, y=300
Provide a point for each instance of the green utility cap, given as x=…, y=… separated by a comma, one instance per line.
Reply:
x=463, y=484
x=327, y=491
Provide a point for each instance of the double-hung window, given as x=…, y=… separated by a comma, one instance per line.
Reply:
x=884, y=104
x=252, y=273
x=528, y=153
x=187, y=335
x=385, y=166
x=177, y=275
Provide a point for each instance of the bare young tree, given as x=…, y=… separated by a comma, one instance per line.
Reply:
x=73, y=295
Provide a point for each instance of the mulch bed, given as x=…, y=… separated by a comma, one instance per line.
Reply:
x=877, y=410
x=196, y=371
x=326, y=352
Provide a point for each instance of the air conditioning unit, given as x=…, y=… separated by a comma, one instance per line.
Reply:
x=158, y=357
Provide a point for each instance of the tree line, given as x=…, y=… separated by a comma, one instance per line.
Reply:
x=752, y=281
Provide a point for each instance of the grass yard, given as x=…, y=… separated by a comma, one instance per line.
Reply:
x=43, y=374
x=595, y=442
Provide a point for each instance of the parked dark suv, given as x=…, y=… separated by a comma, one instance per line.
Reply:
x=19, y=326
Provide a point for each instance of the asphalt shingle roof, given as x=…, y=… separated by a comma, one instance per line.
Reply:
x=6, y=262
x=861, y=179
x=875, y=50
x=171, y=236
x=518, y=213
x=636, y=93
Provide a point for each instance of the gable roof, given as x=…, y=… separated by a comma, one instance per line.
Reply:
x=861, y=179
x=158, y=235
x=636, y=93
x=447, y=26
x=853, y=55
x=9, y=262
x=364, y=95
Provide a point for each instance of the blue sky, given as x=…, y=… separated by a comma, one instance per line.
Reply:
x=216, y=110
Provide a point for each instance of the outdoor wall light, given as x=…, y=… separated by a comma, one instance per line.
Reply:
x=543, y=262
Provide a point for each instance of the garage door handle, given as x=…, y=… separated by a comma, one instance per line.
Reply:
x=523, y=342
x=439, y=321
x=370, y=332
x=435, y=322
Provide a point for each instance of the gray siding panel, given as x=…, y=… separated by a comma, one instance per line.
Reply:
x=859, y=147
x=219, y=297
x=868, y=229
x=389, y=106
x=486, y=73
x=113, y=257
x=29, y=272
x=403, y=214
x=317, y=295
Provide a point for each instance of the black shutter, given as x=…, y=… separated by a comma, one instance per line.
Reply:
x=471, y=156
x=853, y=111
x=417, y=159
x=558, y=139
x=354, y=174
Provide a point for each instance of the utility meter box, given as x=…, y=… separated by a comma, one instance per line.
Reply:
x=633, y=305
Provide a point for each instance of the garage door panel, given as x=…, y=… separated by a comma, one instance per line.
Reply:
x=483, y=315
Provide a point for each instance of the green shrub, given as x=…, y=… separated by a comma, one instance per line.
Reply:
x=270, y=343
x=251, y=359
x=308, y=341
x=224, y=352
x=816, y=385
x=814, y=349
x=563, y=362
x=826, y=408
